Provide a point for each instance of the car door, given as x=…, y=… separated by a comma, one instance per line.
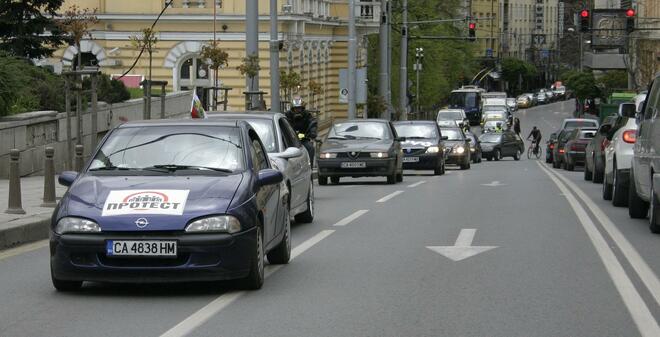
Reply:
x=644, y=151
x=301, y=170
x=507, y=144
x=267, y=196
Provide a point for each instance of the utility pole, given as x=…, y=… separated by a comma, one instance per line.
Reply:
x=390, y=107
x=383, y=82
x=274, y=60
x=403, y=80
x=252, y=41
x=419, y=55
x=352, y=54
x=581, y=49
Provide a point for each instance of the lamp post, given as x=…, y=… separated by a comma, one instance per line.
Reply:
x=419, y=55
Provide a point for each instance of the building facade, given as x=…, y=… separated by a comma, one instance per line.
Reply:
x=645, y=44
x=313, y=37
x=530, y=29
x=486, y=15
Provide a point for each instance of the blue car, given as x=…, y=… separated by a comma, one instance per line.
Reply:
x=171, y=201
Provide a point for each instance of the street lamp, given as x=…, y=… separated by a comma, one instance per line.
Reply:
x=419, y=55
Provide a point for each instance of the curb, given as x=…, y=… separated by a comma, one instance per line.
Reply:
x=24, y=231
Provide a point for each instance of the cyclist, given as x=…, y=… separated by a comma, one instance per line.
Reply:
x=536, y=138
x=304, y=124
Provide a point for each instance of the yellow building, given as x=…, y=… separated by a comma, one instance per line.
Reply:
x=487, y=17
x=313, y=35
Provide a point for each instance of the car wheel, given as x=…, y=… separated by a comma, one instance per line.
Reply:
x=597, y=174
x=440, y=170
x=323, y=180
x=391, y=179
x=517, y=155
x=620, y=192
x=62, y=285
x=308, y=215
x=497, y=155
x=607, y=189
x=335, y=180
x=588, y=175
x=282, y=253
x=255, y=278
x=637, y=208
x=654, y=213
x=555, y=163
x=489, y=158
x=399, y=177
x=570, y=166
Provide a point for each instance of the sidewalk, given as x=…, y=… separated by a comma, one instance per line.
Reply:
x=16, y=229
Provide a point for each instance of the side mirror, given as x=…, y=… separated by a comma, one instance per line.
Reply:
x=400, y=139
x=270, y=177
x=444, y=137
x=67, y=178
x=627, y=110
x=469, y=140
x=638, y=117
x=291, y=152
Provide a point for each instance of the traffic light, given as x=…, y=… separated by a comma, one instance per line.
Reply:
x=630, y=20
x=471, y=31
x=585, y=17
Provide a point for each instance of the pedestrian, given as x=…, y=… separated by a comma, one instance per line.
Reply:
x=516, y=126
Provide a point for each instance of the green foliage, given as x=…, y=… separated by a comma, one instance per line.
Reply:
x=515, y=70
x=109, y=90
x=24, y=87
x=23, y=24
x=250, y=66
x=583, y=84
x=289, y=82
x=376, y=106
x=611, y=81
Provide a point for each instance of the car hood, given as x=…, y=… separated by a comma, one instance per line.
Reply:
x=418, y=143
x=356, y=145
x=454, y=143
x=116, y=202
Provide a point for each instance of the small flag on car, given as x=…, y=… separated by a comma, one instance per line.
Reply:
x=196, y=108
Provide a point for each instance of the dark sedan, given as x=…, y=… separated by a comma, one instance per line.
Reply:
x=497, y=145
x=575, y=147
x=168, y=201
x=361, y=148
x=475, y=147
x=457, y=147
x=594, y=163
x=424, y=147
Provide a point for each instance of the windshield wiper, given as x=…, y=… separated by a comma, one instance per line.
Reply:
x=416, y=137
x=174, y=167
x=338, y=137
x=375, y=138
x=111, y=168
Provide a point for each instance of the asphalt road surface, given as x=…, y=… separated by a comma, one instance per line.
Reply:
x=508, y=248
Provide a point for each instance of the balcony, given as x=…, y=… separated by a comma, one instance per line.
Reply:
x=367, y=11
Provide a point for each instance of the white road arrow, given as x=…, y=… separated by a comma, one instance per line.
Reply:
x=463, y=248
x=494, y=184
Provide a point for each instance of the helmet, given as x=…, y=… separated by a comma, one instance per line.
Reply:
x=297, y=102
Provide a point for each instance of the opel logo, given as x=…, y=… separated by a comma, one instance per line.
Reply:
x=353, y=154
x=141, y=223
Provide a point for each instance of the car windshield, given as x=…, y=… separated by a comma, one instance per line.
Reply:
x=460, y=99
x=490, y=138
x=579, y=124
x=587, y=134
x=266, y=131
x=444, y=115
x=492, y=115
x=452, y=134
x=412, y=131
x=492, y=124
x=360, y=130
x=209, y=148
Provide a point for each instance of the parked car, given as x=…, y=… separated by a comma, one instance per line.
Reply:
x=572, y=123
x=618, y=157
x=475, y=147
x=644, y=173
x=575, y=147
x=541, y=98
x=424, y=147
x=171, y=201
x=532, y=98
x=361, y=148
x=524, y=101
x=457, y=147
x=594, y=166
x=560, y=92
x=456, y=115
x=512, y=104
x=559, y=149
x=498, y=145
x=288, y=155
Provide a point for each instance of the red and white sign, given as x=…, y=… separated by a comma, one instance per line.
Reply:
x=136, y=202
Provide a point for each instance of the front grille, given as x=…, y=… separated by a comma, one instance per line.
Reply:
x=353, y=155
x=414, y=152
x=143, y=261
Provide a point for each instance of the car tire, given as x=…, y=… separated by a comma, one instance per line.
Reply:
x=489, y=158
x=620, y=192
x=440, y=170
x=555, y=163
x=255, y=279
x=570, y=166
x=65, y=286
x=597, y=174
x=517, y=155
x=497, y=155
x=308, y=215
x=654, y=213
x=607, y=190
x=588, y=175
x=335, y=180
x=637, y=207
x=281, y=254
x=323, y=180
x=391, y=179
x=399, y=177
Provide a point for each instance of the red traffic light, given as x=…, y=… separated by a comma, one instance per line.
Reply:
x=584, y=13
x=630, y=12
x=472, y=25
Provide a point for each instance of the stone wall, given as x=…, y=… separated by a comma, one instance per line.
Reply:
x=31, y=132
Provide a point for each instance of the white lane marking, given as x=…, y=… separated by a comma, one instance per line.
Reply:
x=389, y=196
x=640, y=313
x=417, y=184
x=465, y=237
x=463, y=248
x=495, y=183
x=345, y=221
x=202, y=315
x=23, y=249
x=646, y=274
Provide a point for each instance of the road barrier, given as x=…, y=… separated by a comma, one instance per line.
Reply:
x=49, y=179
x=15, y=205
x=79, y=158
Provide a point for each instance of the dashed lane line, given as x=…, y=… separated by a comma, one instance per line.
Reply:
x=417, y=184
x=389, y=196
x=345, y=221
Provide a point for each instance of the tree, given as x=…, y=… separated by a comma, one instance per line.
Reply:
x=315, y=89
x=612, y=80
x=217, y=58
x=250, y=67
x=23, y=27
x=76, y=22
x=288, y=83
x=147, y=41
x=583, y=84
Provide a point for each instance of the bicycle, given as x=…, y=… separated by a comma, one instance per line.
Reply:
x=531, y=151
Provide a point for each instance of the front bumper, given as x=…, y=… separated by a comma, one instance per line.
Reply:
x=373, y=167
x=200, y=257
x=424, y=161
x=457, y=159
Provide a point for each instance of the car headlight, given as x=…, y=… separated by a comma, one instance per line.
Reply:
x=472, y=149
x=459, y=149
x=433, y=149
x=76, y=225
x=379, y=154
x=222, y=223
x=328, y=155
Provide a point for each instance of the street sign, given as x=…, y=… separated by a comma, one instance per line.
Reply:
x=489, y=52
x=360, y=86
x=463, y=248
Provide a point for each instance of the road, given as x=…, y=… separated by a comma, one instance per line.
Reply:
x=559, y=262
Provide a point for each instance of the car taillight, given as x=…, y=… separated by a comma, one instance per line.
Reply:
x=562, y=150
x=552, y=146
x=630, y=136
x=574, y=147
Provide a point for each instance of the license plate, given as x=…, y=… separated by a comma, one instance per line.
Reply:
x=353, y=164
x=141, y=248
x=410, y=159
